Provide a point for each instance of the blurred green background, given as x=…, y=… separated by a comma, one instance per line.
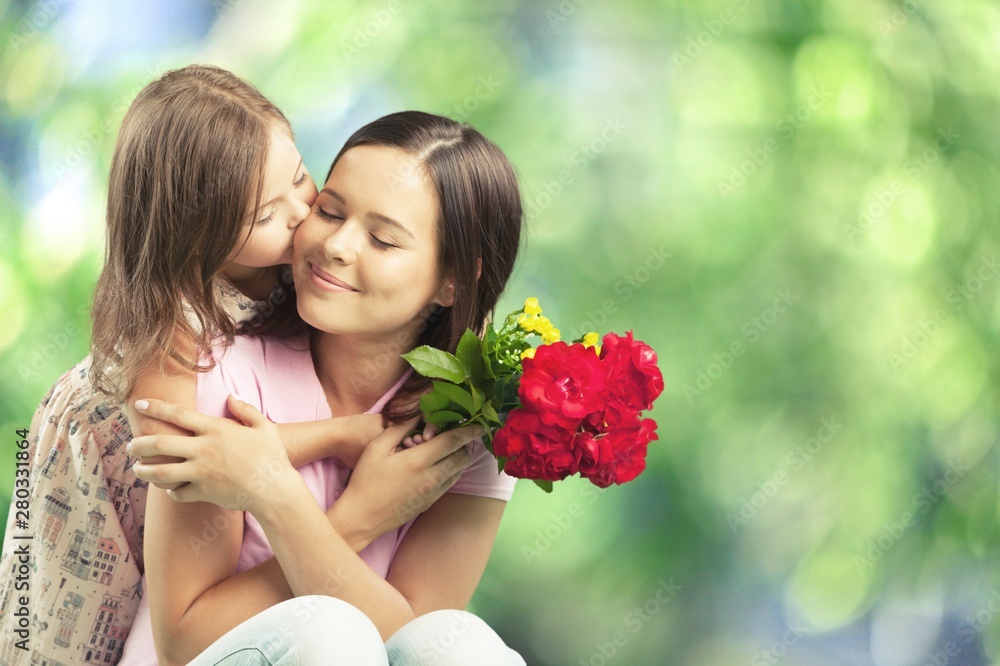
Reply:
x=794, y=203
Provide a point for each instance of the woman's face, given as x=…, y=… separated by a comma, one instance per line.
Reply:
x=366, y=258
x=288, y=194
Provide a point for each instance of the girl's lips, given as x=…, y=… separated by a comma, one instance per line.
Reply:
x=324, y=280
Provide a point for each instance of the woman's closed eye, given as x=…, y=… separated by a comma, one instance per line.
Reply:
x=302, y=178
x=377, y=242
x=327, y=215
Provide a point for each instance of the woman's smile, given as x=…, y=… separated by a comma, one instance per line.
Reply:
x=323, y=280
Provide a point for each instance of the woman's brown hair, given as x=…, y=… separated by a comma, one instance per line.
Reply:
x=186, y=176
x=479, y=229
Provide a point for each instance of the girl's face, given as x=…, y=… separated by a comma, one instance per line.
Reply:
x=288, y=193
x=366, y=258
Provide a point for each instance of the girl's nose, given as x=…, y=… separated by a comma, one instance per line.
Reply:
x=302, y=203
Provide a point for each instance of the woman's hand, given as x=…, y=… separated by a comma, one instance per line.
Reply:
x=230, y=464
x=391, y=484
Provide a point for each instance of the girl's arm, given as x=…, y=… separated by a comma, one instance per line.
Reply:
x=342, y=437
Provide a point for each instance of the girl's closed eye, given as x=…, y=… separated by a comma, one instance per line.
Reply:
x=302, y=178
x=270, y=216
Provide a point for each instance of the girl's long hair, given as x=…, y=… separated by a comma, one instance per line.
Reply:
x=186, y=177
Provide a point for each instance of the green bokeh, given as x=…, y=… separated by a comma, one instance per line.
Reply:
x=794, y=203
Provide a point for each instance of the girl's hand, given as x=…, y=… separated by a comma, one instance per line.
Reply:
x=430, y=431
x=230, y=464
x=392, y=485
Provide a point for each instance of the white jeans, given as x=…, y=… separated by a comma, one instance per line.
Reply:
x=327, y=631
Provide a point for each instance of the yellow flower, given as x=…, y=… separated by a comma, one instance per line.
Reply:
x=550, y=336
x=590, y=340
x=531, y=306
x=528, y=353
x=542, y=325
x=527, y=323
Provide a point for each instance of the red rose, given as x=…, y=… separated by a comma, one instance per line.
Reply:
x=597, y=458
x=533, y=449
x=629, y=444
x=563, y=383
x=618, y=455
x=632, y=374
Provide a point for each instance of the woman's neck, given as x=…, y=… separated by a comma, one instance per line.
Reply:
x=356, y=373
x=254, y=283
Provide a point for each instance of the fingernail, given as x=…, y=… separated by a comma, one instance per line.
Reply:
x=130, y=446
x=141, y=405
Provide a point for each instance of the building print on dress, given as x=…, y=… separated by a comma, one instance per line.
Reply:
x=82, y=550
x=68, y=616
x=50, y=462
x=55, y=515
x=107, y=639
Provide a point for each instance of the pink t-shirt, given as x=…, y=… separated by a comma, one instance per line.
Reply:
x=281, y=382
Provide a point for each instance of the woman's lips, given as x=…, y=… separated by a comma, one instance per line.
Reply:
x=324, y=280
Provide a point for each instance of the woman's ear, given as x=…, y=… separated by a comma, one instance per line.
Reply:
x=446, y=295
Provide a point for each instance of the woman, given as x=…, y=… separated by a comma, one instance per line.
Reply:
x=206, y=189
x=410, y=242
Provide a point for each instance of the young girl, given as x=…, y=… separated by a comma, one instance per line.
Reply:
x=206, y=190
x=410, y=242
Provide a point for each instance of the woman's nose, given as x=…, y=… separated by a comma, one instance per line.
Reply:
x=342, y=243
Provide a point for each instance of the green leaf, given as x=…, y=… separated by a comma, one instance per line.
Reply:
x=477, y=398
x=436, y=364
x=470, y=354
x=457, y=395
x=444, y=417
x=490, y=413
x=433, y=402
x=544, y=485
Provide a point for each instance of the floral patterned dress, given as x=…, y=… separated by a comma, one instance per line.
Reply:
x=69, y=593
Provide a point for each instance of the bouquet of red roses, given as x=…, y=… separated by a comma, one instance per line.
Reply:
x=549, y=411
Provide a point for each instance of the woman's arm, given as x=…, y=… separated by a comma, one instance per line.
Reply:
x=389, y=487
x=443, y=555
